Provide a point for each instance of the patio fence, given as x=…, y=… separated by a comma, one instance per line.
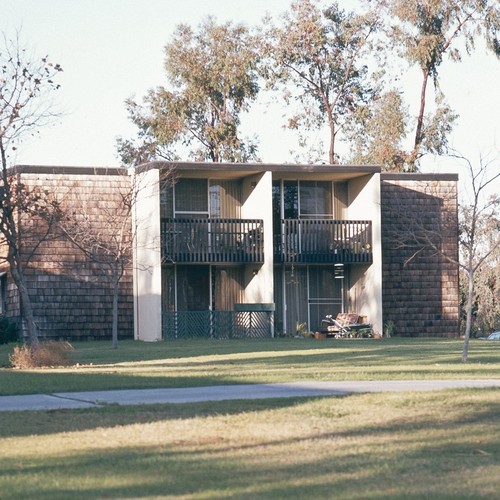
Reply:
x=217, y=324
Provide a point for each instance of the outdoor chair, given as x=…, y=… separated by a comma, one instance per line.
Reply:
x=346, y=325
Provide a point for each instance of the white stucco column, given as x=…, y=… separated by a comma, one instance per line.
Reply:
x=147, y=257
x=366, y=286
x=258, y=204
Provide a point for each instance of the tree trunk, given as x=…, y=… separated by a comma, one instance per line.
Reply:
x=331, y=154
x=468, y=322
x=114, y=327
x=420, y=118
x=26, y=308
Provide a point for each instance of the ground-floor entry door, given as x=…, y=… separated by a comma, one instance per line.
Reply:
x=199, y=301
x=193, y=288
x=305, y=295
x=201, y=287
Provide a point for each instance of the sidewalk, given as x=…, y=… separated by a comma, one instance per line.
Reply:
x=96, y=399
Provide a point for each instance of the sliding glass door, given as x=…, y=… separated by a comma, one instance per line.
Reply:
x=305, y=295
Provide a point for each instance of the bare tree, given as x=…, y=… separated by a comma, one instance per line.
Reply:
x=25, y=83
x=486, y=308
x=105, y=233
x=478, y=231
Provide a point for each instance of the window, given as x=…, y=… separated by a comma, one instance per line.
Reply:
x=201, y=198
x=191, y=197
x=225, y=199
x=315, y=199
x=290, y=200
x=305, y=199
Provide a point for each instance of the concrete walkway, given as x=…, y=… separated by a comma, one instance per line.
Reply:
x=96, y=399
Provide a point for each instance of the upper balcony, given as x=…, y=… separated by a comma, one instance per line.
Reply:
x=323, y=241
x=212, y=240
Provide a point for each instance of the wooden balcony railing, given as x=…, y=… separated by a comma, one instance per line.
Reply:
x=201, y=240
x=323, y=240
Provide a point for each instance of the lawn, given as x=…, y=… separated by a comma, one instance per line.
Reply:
x=396, y=445
x=442, y=444
x=212, y=362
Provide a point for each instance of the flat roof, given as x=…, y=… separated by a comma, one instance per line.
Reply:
x=68, y=170
x=242, y=169
x=417, y=176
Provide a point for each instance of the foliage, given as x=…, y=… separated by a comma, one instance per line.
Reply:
x=424, y=32
x=43, y=354
x=212, y=76
x=389, y=329
x=302, y=330
x=486, y=303
x=316, y=58
x=487, y=291
x=331, y=67
x=383, y=123
x=9, y=330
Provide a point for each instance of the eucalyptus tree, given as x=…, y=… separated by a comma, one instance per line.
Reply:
x=26, y=84
x=317, y=57
x=378, y=130
x=211, y=80
x=425, y=32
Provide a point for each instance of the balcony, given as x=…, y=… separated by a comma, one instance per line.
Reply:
x=205, y=240
x=323, y=241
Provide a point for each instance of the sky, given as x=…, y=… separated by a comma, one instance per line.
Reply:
x=113, y=49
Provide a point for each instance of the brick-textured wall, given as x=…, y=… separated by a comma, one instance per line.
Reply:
x=419, y=232
x=71, y=298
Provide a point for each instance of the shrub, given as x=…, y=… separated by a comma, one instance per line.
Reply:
x=9, y=330
x=45, y=354
x=390, y=327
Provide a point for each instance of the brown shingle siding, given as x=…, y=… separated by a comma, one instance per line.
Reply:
x=420, y=294
x=70, y=297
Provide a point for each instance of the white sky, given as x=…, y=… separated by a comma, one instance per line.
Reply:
x=113, y=49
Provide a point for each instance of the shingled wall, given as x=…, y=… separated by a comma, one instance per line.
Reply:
x=420, y=285
x=71, y=299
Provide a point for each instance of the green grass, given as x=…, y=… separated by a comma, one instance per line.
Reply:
x=442, y=444
x=396, y=445
x=209, y=362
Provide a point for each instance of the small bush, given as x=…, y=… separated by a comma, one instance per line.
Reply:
x=45, y=354
x=390, y=327
x=9, y=330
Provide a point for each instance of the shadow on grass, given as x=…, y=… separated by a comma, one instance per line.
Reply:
x=69, y=420
x=419, y=466
x=203, y=363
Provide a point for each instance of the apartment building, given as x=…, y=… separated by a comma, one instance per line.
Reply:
x=254, y=250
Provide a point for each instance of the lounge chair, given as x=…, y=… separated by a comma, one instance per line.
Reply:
x=346, y=325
